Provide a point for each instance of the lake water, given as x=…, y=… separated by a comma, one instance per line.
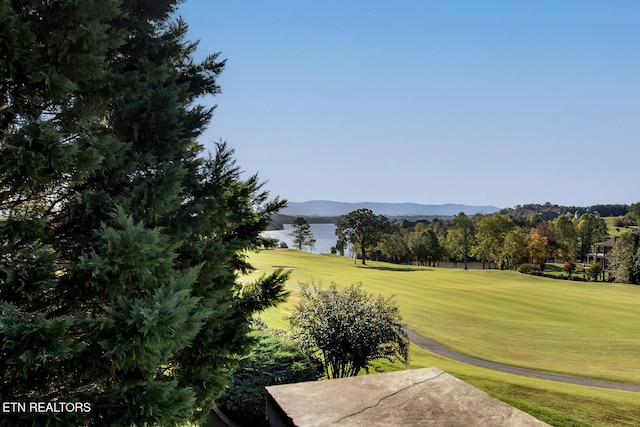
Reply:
x=325, y=235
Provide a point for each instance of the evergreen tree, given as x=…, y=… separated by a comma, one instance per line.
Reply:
x=275, y=360
x=625, y=258
x=302, y=235
x=119, y=242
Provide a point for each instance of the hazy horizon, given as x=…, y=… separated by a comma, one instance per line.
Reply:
x=454, y=203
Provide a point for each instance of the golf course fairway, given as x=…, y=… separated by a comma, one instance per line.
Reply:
x=575, y=328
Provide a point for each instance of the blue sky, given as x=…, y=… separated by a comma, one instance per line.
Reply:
x=477, y=102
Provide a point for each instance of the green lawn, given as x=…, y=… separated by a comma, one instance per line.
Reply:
x=587, y=329
x=613, y=230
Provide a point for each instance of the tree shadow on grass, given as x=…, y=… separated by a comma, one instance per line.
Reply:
x=394, y=268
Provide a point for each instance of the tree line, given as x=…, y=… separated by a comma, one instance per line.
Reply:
x=496, y=240
x=521, y=212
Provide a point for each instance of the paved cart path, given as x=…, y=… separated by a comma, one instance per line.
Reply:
x=441, y=350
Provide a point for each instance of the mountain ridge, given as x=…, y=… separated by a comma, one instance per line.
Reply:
x=332, y=208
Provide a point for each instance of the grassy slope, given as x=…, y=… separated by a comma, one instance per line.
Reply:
x=613, y=230
x=576, y=328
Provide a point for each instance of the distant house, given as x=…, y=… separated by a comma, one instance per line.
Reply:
x=601, y=251
x=548, y=216
x=601, y=254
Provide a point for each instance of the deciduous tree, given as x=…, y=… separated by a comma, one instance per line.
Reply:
x=539, y=249
x=566, y=234
x=632, y=217
x=591, y=229
x=490, y=234
x=393, y=245
x=363, y=229
x=460, y=238
x=424, y=245
x=515, y=249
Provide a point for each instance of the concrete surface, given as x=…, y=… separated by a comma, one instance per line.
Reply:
x=419, y=397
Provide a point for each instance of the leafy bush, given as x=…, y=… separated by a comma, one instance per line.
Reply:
x=527, y=268
x=619, y=222
x=273, y=361
x=349, y=328
x=570, y=268
x=593, y=271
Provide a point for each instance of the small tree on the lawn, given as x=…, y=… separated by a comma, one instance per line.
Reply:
x=594, y=270
x=570, y=268
x=302, y=235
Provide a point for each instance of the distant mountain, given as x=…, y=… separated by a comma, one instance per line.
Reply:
x=329, y=208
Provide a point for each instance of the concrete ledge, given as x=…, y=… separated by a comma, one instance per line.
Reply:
x=420, y=397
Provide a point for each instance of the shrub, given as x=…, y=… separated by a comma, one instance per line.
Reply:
x=273, y=361
x=349, y=328
x=619, y=222
x=593, y=271
x=527, y=268
x=570, y=268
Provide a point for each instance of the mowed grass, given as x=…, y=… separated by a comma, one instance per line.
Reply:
x=586, y=329
x=558, y=404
